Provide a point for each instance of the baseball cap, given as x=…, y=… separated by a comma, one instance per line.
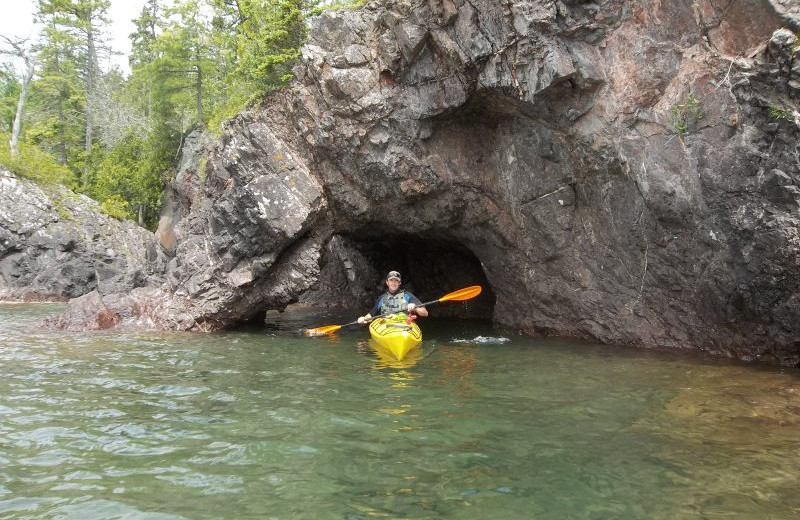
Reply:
x=394, y=274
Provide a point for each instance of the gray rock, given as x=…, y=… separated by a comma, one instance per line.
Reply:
x=607, y=170
x=56, y=245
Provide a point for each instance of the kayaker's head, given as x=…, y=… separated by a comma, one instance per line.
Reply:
x=393, y=281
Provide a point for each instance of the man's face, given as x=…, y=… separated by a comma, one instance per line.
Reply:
x=393, y=284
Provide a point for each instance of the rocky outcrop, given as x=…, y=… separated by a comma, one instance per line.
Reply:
x=616, y=170
x=56, y=245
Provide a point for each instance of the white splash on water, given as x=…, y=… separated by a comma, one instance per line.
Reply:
x=486, y=340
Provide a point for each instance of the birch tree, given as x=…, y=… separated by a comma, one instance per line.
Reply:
x=19, y=48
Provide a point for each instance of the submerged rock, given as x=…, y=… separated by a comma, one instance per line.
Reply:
x=621, y=171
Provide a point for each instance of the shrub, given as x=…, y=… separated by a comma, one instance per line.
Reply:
x=117, y=207
x=779, y=113
x=685, y=115
x=33, y=163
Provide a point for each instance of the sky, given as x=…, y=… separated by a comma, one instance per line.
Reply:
x=17, y=22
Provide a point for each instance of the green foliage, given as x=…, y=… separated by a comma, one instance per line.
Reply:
x=117, y=207
x=201, y=168
x=128, y=180
x=684, y=117
x=9, y=94
x=32, y=163
x=255, y=44
x=194, y=64
x=268, y=42
x=337, y=5
x=776, y=112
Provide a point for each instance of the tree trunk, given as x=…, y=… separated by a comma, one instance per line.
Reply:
x=17, y=128
x=62, y=133
x=199, y=86
x=91, y=68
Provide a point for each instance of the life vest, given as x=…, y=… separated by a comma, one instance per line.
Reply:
x=394, y=302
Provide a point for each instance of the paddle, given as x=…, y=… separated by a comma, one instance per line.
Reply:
x=466, y=293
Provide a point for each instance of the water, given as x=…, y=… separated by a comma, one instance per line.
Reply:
x=267, y=424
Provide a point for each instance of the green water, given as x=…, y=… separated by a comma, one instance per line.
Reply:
x=269, y=424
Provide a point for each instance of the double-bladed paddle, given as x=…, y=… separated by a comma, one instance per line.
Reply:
x=466, y=293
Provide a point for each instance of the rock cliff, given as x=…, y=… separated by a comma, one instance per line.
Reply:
x=56, y=245
x=623, y=171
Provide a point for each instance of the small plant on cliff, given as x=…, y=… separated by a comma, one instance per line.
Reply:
x=685, y=115
x=336, y=5
x=201, y=168
x=776, y=112
x=117, y=207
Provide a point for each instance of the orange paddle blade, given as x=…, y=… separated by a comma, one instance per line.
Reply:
x=462, y=294
x=321, y=331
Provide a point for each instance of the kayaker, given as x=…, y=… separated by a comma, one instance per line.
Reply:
x=394, y=300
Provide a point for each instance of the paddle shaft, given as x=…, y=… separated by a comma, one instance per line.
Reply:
x=459, y=295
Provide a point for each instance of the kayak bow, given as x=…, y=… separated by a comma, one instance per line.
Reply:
x=395, y=334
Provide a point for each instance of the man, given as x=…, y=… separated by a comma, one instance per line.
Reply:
x=394, y=300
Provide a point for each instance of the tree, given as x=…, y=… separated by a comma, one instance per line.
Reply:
x=9, y=95
x=142, y=55
x=198, y=61
x=19, y=49
x=269, y=38
x=81, y=22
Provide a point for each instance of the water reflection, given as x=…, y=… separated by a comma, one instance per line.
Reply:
x=385, y=359
x=458, y=367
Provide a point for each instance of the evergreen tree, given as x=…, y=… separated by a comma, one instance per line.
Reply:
x=192, y=65
x=56, y=118
x=81, y=22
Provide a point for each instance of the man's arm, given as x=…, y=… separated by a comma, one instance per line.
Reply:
x=412, y=306
x=373, y=312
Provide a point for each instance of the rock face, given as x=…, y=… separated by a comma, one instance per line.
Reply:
x=623, y=171
x=57, y=245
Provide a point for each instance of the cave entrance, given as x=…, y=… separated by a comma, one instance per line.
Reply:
x=430, y=268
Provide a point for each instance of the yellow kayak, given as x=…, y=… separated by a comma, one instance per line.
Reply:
x=394, y=334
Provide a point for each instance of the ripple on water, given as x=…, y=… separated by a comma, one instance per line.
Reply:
x=106, y=510
x=209, y=484
x=51, y=458
x=174, y=390
x=24, y=505
x=196, y=426
x=107, y=413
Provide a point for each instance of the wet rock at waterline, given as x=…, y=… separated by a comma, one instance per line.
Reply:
x=611, y=170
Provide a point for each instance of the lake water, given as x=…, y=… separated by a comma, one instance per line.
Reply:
x=266, y=423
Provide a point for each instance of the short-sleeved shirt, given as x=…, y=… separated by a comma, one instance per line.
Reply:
x=387, y=299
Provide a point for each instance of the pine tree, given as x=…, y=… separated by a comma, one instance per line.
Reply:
x=81, y=22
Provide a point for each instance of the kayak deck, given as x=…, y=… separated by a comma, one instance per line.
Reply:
x=395, y=335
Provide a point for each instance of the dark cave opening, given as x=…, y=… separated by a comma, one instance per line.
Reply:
x=431, y=268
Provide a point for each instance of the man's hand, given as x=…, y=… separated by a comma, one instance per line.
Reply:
x=411, y=307
x=364, y=319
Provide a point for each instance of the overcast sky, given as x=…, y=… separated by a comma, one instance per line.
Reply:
x=16, y=21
